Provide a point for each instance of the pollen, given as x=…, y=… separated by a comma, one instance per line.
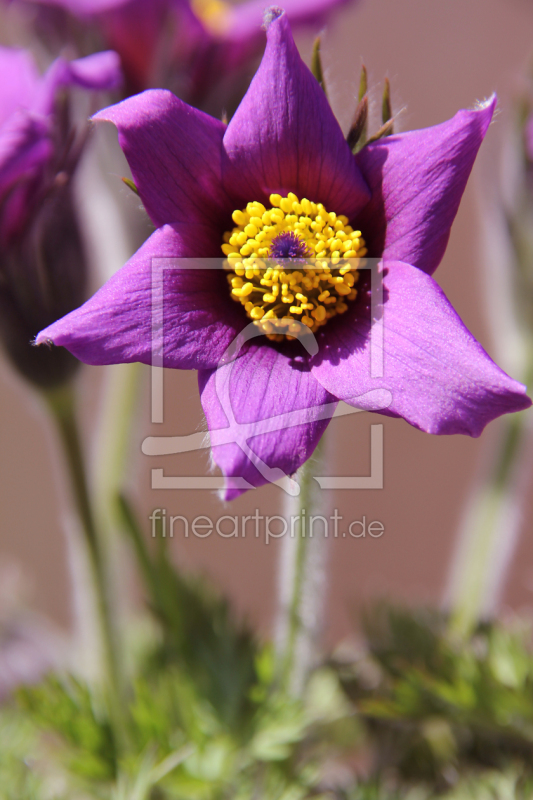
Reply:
x=292, y=263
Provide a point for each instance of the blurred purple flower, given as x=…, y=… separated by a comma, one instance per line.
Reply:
x=30, y=646
x=29, y=135
x=41, y=260
x=402, y=192
x=198, y=48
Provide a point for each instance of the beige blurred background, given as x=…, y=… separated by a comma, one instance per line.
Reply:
x=440, y=57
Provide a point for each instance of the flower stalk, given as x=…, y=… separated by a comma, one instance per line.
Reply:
x=302, y=583
x=61, y=403
x=112, y=452
x=491, y=527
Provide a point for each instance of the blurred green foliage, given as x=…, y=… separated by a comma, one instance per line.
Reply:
x=415, y=714
x=205, y=719
x=437, y=708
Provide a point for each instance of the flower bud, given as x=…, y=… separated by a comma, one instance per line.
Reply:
x=42, y=262
x=43, y=276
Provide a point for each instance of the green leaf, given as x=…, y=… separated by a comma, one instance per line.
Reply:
x=69, y=708
x=316, y=64
x=386, y=108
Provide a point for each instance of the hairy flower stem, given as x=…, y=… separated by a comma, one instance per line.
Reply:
x=62, y=405
x=111, y=455
x=301, y=583
x=491, y=527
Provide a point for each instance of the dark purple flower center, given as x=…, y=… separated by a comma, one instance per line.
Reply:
x=289, y=245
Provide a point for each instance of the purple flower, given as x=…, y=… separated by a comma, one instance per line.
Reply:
x=198, y=48
x=42, y=271
x=29, y=124
x=400, y=194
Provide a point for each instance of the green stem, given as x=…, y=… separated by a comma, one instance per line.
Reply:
x=62, y=405
x=113, y=447
x=296, y=568
x=482, y=527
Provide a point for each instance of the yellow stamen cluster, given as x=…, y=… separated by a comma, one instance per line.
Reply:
x=309, y=289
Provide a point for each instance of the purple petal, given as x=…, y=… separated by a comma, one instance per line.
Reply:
x=417, y=180
x=24, y=144
x=20, y=81
x=99, y=72
x=115, y=325
x=84, y=7
x=284, y=137
x=136, y=29
x=174, y=152
x=441, y=379
x=265, y=413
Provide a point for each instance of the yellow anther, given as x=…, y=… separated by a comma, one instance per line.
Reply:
x=319, y=313
x=244, y=291
x=239, y=217
x=279, y=292
x=342, y=288
x=251, y=231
